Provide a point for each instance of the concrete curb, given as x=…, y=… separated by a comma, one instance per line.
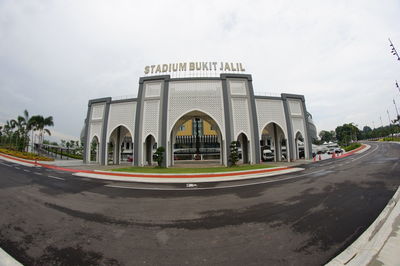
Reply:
x=172, y=179
x=7, y=260
x=163, y=178
x=368, y=246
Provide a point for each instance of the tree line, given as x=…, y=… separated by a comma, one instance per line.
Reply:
x=348, y=133
x=14, y=134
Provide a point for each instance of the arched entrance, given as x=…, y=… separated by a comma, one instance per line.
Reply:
x=149, y=147
x=299, y=146
x=273, y=143
x=243, y=148
x=120, y=146
x=94, y=150
x=195, y=138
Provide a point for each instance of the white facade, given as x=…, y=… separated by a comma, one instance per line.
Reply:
x=163, y=104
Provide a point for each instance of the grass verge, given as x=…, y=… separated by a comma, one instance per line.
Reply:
x=220, y=169
x=352, y=146
x=25, y=155
x=390, y=139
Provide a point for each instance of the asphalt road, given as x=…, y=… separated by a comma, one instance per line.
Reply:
x=306, y=218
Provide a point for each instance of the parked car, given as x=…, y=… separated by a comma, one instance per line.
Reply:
x=267, y=155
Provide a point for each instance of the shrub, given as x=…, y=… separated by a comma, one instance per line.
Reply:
x=25, y=155
x=234, y=153
x=159, y=155
x=352, y=146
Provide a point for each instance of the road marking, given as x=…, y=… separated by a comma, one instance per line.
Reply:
x=365, y=154
x=55, y=177
x=394, y=166
x=221, y=187
x=6, y=164
x=38, y=173
x=27, y=171
x=16, y=167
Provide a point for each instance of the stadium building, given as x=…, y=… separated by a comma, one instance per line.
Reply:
x=197, y=118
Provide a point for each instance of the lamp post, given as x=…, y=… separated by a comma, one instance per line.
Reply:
x=397, y=111
x=393, y=51
x=390, y=123
x=197, y=120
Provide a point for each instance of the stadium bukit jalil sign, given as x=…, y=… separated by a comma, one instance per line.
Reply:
x=194, y=66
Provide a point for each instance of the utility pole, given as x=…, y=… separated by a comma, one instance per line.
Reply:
x=397, y=111
x=393, y=51
x=390, y=123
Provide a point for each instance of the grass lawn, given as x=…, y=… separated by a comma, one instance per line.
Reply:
x=192, y=170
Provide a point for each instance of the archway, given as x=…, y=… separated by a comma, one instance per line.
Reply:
x=243, y=148
x=149, y=147
x=299, y=146
x=196, y=138
x=120, y=146
x=94, y=150
x=273, y=143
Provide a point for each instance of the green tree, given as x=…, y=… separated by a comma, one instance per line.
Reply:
x=159, y=155
x=40, y=125
x=234, y=153
x=347, y=133
x=326, y=136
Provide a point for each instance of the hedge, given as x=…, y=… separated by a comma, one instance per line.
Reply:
x=352, y=146
x=25, y=155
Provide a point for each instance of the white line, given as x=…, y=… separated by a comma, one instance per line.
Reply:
x=55, y=177
x=38, y=173
x=16, y=167
x=27, y=171
x=221, y=187
x=365, y=154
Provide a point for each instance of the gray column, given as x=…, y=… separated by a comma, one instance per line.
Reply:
x=254, y=121
x=307, y=132
x=103, y=155
x=86, y=146
x=164, y=118
x=227, y=118
x=138, y=124
x=290, y=137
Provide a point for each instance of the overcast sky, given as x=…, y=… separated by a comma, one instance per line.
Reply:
x=56, y=55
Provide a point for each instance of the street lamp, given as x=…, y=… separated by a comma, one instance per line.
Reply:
x=390, y=123
x=397, y=111
x=393, y=51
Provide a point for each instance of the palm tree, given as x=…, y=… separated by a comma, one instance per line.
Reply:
x=33, y=125
x=20, y=124
x=41, y=126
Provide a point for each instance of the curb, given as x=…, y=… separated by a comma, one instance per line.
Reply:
x=368, y=246
x=7, y=260
x=179, y=179
x=146, y=177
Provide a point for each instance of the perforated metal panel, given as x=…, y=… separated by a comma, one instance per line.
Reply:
x=200, y=95
x=295, y=107
x=298, y=126
x=238, y=87
x=151, y=118
x=152, y=89
x=95, y=130
x=97, y=111
x=241, y=117
x=270, y=111
x=122, y=114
